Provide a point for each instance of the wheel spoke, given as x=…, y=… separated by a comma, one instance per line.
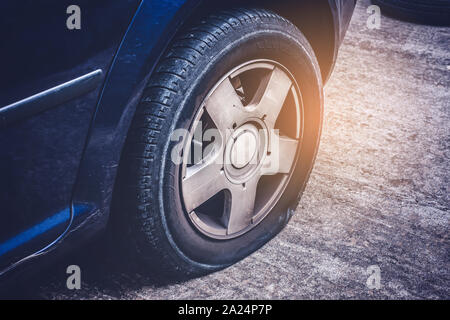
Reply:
x=202, y=182
x=224, y=106
x=242, y=205
x=282, y=155
x=272, y=94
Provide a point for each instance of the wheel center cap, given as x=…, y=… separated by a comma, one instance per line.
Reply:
x=244, y=149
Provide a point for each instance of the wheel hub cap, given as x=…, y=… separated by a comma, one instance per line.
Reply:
x=243, y=149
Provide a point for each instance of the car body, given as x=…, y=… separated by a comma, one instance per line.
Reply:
x=431, y=12
x=68, y=97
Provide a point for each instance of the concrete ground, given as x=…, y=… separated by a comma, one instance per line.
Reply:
x=378, y=195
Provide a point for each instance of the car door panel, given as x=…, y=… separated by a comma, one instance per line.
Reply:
x=46, y=110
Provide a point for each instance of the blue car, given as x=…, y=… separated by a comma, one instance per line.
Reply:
x=186, y=129
x=431, y=12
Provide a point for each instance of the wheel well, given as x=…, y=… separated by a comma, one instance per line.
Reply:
x=314, y=18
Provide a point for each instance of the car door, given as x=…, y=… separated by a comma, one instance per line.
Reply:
x=54, y=57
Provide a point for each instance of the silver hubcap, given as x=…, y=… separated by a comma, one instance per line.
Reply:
x=243, y=149
x=243, y=172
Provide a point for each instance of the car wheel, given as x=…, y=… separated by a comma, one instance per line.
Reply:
x=250, y=77
x=433, y=12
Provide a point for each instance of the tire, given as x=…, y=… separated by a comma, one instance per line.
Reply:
x=432, y=12
x=150, y=213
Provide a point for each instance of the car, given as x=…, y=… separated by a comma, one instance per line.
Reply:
x=102, y=103
x=432, y=12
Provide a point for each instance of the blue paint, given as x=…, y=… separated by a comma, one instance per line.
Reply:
x=40, y=154
x=40, y=228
